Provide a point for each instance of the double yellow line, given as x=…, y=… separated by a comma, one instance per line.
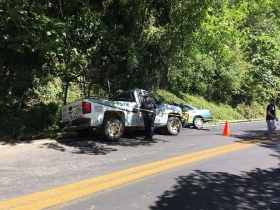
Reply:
x=62, y=195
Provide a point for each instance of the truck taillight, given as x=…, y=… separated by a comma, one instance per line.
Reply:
x=86, y=108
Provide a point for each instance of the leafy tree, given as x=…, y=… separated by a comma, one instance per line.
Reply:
x=225, y=51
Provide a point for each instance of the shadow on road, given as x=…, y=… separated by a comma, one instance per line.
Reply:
x=253, y=190
x=255, y=134
x=259, y=137
x=95, y=145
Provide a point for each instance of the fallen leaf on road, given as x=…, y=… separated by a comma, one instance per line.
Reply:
x=143, y=196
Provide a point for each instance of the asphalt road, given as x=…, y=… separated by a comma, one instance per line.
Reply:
x=246, y=178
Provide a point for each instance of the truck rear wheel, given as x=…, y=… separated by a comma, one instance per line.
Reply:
x=173, y=126
x=112, y=129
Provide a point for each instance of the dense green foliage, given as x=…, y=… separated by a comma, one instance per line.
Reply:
x=224, y=51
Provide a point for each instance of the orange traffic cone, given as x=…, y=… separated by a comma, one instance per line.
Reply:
x=226, y=130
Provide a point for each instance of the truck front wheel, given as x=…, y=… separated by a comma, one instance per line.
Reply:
x=174, y=125
x=112, y=129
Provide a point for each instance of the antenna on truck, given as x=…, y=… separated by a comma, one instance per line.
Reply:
x=109, y=90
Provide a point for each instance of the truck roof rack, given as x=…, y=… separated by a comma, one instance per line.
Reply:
x=89, y=80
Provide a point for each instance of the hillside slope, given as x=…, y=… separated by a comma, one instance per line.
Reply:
x=220, y=112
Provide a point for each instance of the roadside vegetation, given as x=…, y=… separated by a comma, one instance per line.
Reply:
x=220, y=55
x=42, y=120
x=220, y=112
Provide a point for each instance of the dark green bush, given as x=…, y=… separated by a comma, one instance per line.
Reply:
x=39, y=118
x=25, y=123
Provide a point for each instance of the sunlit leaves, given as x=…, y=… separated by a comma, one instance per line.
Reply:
x=227, y=51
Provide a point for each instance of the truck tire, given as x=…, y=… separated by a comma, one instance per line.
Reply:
x=112, y=129
x=198, y=123
x=173, y=126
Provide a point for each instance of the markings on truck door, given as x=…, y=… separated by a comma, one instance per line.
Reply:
x=122, y=103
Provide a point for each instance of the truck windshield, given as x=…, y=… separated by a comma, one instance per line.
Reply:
x=152, y=97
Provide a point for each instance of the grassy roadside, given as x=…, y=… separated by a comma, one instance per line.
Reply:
x=220, y=112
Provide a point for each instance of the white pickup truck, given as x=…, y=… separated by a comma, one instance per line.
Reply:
x=118, y=113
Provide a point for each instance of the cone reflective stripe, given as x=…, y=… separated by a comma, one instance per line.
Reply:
x=226, y=130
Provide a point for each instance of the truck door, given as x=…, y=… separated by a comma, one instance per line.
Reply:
x=141, y=99
x=161, y=114
x=127, y=102
x=132, y=118
x=140, y=115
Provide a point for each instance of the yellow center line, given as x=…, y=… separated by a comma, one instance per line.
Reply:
x=84, y=188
